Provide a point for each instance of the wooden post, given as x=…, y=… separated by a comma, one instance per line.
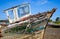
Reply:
x=0, y=33
x=42, y=33
x=8, y=16
x=15, y=14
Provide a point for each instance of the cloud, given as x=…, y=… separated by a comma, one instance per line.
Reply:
x=36, y=2
x=41, y=2
x=44, y=2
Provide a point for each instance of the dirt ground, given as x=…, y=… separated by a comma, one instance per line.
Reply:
x=52, y=33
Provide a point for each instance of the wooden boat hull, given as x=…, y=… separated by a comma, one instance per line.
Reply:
x=36, y=21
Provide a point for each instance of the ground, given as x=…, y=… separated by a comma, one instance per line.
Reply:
x=51, y=33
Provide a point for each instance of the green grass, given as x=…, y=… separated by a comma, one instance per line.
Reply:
x=58, y=22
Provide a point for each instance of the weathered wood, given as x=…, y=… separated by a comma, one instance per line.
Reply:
x=1, y=33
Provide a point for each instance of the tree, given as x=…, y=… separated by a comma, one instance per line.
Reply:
x=50, y=20
x=57, y=19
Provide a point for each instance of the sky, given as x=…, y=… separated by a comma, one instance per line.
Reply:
x=36, y=6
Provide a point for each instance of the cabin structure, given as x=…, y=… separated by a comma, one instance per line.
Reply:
x=18, y=12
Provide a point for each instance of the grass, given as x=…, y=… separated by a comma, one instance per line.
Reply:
x=58, y=22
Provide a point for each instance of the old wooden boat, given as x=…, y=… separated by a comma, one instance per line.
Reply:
x=22, y=21
x=22, y=17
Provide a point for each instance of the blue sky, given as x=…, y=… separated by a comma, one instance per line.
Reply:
x=36, y=6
